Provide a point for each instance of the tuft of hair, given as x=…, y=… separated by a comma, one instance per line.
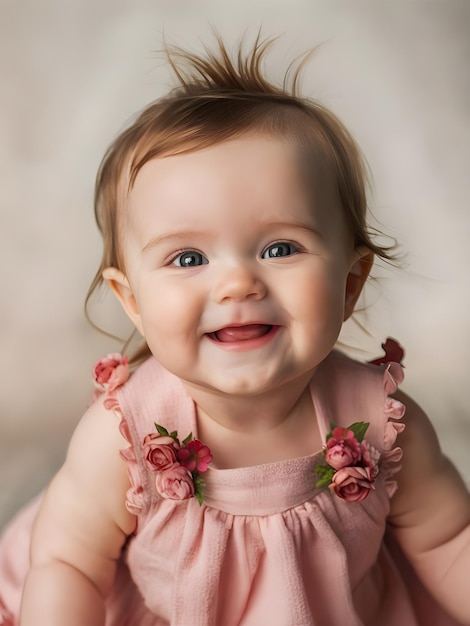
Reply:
x=219, y=71
x=221, y=96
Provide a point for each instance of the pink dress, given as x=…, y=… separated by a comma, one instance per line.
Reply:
x=267, y=546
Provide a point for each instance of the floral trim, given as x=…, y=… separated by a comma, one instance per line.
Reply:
x=350, y=463
x=394, y=410
x=135, y=495
x=109, y=373
x=178, y=466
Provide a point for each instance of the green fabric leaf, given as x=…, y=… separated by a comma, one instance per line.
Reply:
x=359, y=429
x=188, y=439
x=162, y=431
x=199, y=486
x=325, y=474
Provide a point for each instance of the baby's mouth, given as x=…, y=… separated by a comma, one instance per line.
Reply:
x=240, y=333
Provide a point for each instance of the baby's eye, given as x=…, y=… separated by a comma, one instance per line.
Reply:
x=280, y=249
x=190, y=258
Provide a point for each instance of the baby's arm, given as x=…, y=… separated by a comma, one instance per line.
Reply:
x=431, y=515
x=80, y=530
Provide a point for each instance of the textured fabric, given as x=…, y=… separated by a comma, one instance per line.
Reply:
x=267, y=546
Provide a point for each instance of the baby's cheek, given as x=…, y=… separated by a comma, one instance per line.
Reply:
x=322, y=299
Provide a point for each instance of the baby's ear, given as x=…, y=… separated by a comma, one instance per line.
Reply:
x=119, y=285
x=361, y=265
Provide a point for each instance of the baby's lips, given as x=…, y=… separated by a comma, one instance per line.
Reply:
x=241, y=333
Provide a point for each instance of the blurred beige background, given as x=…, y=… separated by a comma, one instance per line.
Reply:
x=73, y=71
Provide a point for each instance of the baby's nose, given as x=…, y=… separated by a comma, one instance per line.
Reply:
x=238, y=283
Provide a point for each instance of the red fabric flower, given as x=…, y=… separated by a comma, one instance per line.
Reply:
x=342, y=449
x=194, y=456
x=393, y=353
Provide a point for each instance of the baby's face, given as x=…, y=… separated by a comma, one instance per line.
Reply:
x=237, y=268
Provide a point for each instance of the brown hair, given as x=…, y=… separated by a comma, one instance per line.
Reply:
x=219, y=98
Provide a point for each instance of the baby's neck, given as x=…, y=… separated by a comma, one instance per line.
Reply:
x=251, y=431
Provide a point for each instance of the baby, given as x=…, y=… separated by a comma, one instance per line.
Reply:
x=246, y=472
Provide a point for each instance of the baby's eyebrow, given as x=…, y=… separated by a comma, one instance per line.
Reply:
x=172, y=236
x=294, y=224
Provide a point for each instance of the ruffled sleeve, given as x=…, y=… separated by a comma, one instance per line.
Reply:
x=135, y=500
x=394, y=410
x=109, y=374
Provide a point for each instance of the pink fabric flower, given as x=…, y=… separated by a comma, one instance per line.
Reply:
x=174, y=483
x=342, y=448
x=195, y=456
x=353, y=484
x=350, y=464
x=110, y=372
x=159, y=452
x=177, y=468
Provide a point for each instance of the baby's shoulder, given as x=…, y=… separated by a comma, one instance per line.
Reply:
x=93, y=456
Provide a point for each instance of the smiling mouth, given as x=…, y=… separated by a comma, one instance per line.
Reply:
x=231, y=334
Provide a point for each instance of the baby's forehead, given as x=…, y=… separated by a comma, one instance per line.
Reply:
x=305, y=157
x=258, y=157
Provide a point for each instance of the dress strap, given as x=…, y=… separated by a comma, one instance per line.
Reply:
x=345, y=391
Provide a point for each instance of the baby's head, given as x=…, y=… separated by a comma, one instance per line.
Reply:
x=220, y=101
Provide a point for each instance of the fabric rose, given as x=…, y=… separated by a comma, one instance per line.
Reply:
x=342, y=448
x=178, y=465
x=159, y=452
x=194, y=456
x=350, y=463
x=353, y=484
x=110, y=372
x=175, y=483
